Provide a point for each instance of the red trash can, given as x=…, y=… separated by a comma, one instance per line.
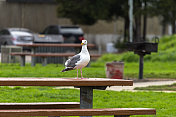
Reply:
x=114, y=70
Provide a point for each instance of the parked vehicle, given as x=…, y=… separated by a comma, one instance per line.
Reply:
x=13, y=36
x=40, y=38
x=71, y=34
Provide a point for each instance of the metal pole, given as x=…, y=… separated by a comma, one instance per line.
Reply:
x=33, y=59
x=141, y=64
x=86, y=98
x=130, y=2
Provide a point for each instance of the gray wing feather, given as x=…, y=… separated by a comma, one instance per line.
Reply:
x=72, y=61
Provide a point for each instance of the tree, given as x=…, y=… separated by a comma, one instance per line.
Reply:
x=167, y=11
x=85, y=12
x=88, y=12
x=142, y=10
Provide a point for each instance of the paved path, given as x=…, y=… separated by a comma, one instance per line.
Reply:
x=137, y=84
x=141, y=84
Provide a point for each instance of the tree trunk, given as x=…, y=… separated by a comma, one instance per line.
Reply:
x=173, y=27
x=137, y=31
x=137, y=28
x=145, y=22
x=126, y=29
x=144, y=27
x=164, y=28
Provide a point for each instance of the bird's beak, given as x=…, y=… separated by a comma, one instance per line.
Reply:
x=82, y=43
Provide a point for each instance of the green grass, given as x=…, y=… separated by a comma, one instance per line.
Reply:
x=51, y=70
x=164, y=103
x=151, y=70
x=159, y=88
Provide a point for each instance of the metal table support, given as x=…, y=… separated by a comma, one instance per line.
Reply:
x=23, y=59
x=44, y=61
x=86, y=96
x=33, y=57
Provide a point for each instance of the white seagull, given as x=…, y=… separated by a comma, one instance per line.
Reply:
x=78, y=61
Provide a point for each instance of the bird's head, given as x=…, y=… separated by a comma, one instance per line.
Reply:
x=84, y=42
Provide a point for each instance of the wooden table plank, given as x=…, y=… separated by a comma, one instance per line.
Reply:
x=64, y=82
x=60, y=54
x=54, y=45
x=49, y=54
x=78, y=112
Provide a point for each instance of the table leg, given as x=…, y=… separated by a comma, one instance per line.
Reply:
x=86, y=98
x=44, y=61
x=22, y=62
x=33, y=57
x=33, y=61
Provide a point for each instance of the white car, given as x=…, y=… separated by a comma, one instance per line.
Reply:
x=13, y=36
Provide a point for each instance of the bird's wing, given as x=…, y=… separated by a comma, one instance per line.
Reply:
x=71, y=63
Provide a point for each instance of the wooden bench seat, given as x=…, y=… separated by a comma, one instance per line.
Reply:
x=117, y=112
x=40, y=105
x=54, y=45
x=45, y=55
x=49, y=54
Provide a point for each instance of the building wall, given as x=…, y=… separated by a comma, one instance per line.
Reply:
x=32, y=16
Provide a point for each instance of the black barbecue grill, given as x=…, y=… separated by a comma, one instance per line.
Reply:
x=143, y=48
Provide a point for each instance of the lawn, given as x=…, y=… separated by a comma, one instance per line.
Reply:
x=51, y=70
x=151, y=70
x=159, y=88
x=164, y=103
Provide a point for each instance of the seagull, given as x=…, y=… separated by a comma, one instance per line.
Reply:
x=78, y=61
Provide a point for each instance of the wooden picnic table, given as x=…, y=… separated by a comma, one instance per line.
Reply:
x=34, y=54
x=86, y=85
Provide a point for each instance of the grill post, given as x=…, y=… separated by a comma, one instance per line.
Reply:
x=141, y=66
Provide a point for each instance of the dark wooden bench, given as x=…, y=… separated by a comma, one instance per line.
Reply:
x=40, y=105
x=45, y=55
x=117, y=112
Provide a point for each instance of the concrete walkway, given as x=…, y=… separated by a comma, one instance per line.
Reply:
x=141, y=84
x=137, y=84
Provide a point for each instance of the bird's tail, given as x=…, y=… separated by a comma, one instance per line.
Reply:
x=66, y=69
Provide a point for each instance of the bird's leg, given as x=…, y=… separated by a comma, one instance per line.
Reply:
x=77, y=73
x=81, y=74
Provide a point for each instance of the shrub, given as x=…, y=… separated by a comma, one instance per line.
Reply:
x=109, y=58
x=130, y=57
